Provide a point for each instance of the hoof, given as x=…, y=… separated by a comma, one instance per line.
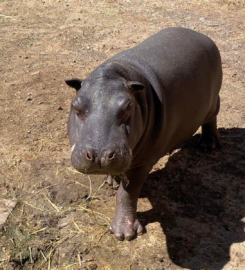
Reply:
x=126, y=230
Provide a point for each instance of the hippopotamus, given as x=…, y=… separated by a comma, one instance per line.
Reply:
x=138, y=106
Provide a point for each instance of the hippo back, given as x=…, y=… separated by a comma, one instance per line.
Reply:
x=184, y=70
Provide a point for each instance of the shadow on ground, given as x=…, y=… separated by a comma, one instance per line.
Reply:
x=199, y=200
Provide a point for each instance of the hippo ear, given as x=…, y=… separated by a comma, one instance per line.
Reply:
x=74, y=83
x=135, y=86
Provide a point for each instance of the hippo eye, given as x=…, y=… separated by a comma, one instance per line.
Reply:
x=125, y=112
x=80, y=106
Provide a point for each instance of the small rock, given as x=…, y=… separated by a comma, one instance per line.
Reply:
x=161, y=260
x=93, y=266
x=6, y=206
x=60, y=108
x=29, y=99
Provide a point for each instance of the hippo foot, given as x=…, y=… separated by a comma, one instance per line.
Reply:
x=126, y=228
x=210, y=136
x=209, y=143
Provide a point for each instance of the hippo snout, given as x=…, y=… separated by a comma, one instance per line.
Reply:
x=102, y=159
x=107, y=161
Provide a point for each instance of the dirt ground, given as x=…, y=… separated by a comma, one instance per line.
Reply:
x=193, y=203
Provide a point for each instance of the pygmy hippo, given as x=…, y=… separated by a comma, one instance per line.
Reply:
x=139, y=105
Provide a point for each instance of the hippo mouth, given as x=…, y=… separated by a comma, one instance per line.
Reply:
x=100, y=171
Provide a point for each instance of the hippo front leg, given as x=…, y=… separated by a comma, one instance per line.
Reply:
x=125, y=224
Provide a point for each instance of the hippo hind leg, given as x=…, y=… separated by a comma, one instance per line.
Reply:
x=210, y=136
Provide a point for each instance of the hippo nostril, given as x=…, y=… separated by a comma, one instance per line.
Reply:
x=89, y=155
x=107, y=156
x=111, y=155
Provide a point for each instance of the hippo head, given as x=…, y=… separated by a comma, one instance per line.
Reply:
x=105, y=122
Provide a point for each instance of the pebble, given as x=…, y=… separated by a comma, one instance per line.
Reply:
x=93, y=266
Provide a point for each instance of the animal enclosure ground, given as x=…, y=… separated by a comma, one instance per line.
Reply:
x=193, y=203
